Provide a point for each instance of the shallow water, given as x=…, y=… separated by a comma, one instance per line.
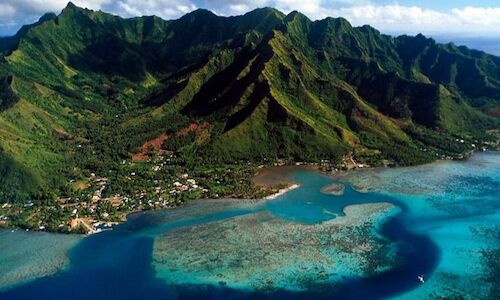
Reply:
x=441, y=221
x=27, y=255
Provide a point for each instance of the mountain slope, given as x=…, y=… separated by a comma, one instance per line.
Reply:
x=84, y=90
x=10, y=43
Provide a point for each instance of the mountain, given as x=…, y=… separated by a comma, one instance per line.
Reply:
x=82, y=91
x=11, y=42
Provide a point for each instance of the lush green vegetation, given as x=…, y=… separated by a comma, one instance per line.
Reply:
x=87, y=99
x=7, y=97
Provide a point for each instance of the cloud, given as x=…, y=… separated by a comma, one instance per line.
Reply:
x=414, y=19
x=7, y=10
x=478, y=16
x=231, y=7
x=167, y=9
x=308, y=7
x=388, y=14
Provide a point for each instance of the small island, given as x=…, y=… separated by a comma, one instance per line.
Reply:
x=335, y=189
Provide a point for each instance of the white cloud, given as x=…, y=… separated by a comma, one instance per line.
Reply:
x=7, y=10
x=92, y=4
x=389, y=14
x=414, y=19
x=231, y=7
x=167, y=9
x=478, y=15
x=239, y=8
x=308, y=7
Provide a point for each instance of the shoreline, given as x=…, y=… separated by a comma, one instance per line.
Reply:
x=282, y=192
x=341, y=173
x=269, y=176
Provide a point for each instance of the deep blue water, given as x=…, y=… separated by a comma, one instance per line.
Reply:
x=118, y=264
x=490, y=45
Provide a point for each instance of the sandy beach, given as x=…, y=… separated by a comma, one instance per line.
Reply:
x=282, y=192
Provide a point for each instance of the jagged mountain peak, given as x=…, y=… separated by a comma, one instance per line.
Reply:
x=73, y=8
x=200, y=13
x=265, y=11
x=339, y=23
x=296, y=15
x=47, y=17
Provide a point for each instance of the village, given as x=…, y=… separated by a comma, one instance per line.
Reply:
x=99, y=202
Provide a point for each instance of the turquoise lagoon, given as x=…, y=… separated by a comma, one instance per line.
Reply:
x=440, y=221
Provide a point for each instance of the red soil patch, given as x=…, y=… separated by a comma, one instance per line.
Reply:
x=193, y=127
x=154, y=144
x=158, y=141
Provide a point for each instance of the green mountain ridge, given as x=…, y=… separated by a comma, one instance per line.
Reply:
x=11, y=42
x=84, y=90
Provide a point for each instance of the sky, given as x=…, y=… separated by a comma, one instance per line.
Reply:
x=447, y=19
